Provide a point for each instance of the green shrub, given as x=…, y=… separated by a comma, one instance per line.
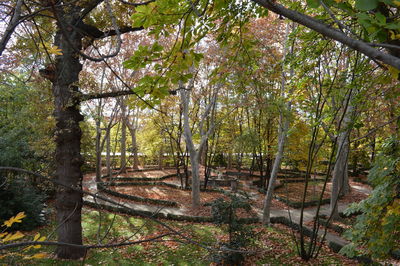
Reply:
x=240, y=235
x=16, y=196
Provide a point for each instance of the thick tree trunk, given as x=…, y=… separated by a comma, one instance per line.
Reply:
x=68, y=141
x=192, y=151
x=340, y=178
x=194, y=160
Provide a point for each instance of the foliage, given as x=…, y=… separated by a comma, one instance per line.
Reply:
x=18, y=195
x=25, y=124
x=6, y=237
x=225, y=212
x=377, y=228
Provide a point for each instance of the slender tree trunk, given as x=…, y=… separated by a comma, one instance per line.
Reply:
x=108, y=153
x=275, y=168
x=123, y=138
x=135, y=150
x=282, y=135
x=98, y=148
x=68, y=140
x=373, y=145
x=160, y=158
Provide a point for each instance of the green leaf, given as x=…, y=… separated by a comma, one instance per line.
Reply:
x=366, y=5
x=313, y=3
x=381, y=18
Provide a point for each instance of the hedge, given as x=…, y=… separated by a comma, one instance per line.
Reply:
x=297, y=204
x=137, y=198
x=140, y=178
x=170, y=216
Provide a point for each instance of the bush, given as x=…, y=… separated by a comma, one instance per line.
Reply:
x=224, y=212
x=19, y=196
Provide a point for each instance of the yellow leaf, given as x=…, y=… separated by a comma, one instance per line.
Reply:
x=54, y=50
x=397, y=3
x=392, y=35
x=39, y=256
x=36, y=237
x=2, y=235
x=12, y=237
x=15, y=219
x=394, y=72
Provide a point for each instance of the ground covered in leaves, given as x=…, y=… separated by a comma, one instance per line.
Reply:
x=272, y=246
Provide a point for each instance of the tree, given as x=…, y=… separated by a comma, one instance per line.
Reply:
x=71, y=29
x=204, y=134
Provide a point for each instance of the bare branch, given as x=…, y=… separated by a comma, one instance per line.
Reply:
x=376, y=129
x=136, y=4
x=14, y=21
x=51, y=243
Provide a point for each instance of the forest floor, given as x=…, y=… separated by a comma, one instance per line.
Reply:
x=289, y=191
x=268, y=246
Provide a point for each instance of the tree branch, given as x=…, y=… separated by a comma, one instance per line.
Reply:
x=51, y=243
x=329, y=32
x=91, y=96
x=14, y=21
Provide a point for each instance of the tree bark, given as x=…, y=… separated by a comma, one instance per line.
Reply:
x=68, y=141
x=108, y=153
x=123, y=139
x=340, y=178
x=98, y=145
x=192, y=151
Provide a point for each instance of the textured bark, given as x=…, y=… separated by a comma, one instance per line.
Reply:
x=68, y=141
x=340, y=178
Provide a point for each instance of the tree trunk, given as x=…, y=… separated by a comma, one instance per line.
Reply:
x=192, y=152
x=160, y=158
x=68, y=141
x=282, y=135
x=123, y=139
x=277, y=163
x=98, y=149
x=108, y=153
x=340, y=178
x=134, y=149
